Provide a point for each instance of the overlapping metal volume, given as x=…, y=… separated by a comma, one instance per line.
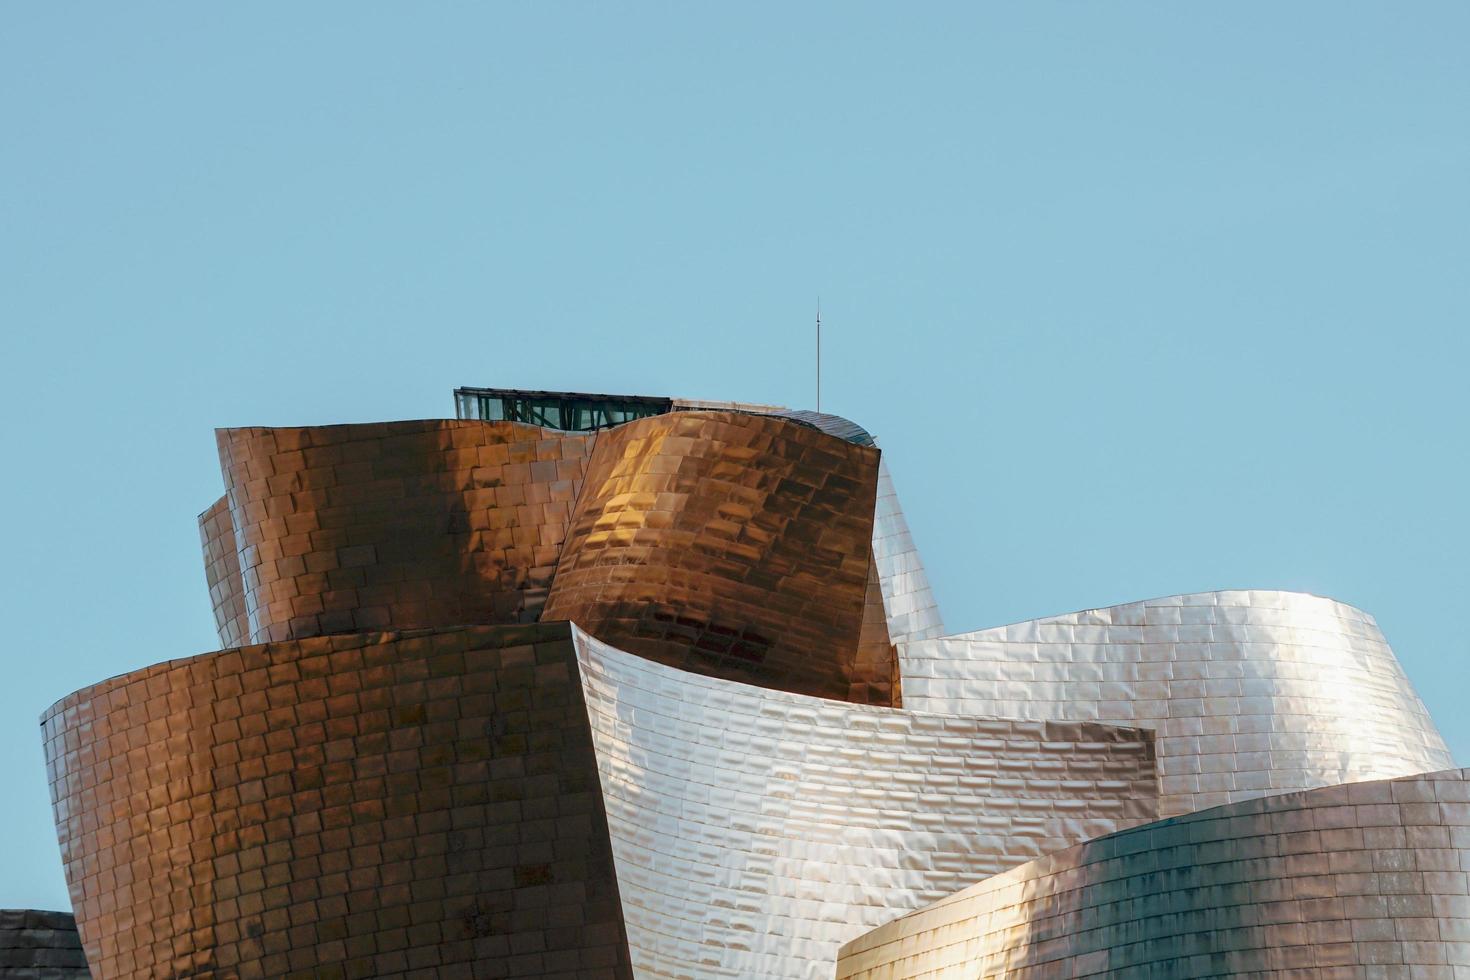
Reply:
x=585, y=685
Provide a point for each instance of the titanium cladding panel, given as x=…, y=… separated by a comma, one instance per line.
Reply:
x=1365, y=880
x=222, y=572
x=369, y=805
x=1251, y=693
x=754, y=831
x=913, y=613
x=397, y=524
x=728, y=544
x=743, y=558
x=530, y=800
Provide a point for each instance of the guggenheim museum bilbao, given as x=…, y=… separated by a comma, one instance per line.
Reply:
x=599, y=686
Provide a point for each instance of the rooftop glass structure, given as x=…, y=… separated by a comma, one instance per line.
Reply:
x=569, y=411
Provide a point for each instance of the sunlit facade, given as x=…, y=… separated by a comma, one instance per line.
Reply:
x=613, y=686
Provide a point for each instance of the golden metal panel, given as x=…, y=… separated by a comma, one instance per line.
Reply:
x=397, y=524
x=222, y=573
x=732, y=545
x=367, y=805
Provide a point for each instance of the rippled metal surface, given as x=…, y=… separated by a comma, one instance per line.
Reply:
x=750, y=830
x=363, y=805
x=1252, y=693
x=435, y=523
x=397, y=524
x=912, y=612
x=754, y=830
x=222, y=574
x=1366, y=880
x=729, y=544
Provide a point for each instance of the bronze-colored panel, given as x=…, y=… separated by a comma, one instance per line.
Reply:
x=399, y=524
x=352, y=806
x=728, y=544
x=222, y=572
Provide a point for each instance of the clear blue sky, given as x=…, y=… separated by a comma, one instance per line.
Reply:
x=1140, y=299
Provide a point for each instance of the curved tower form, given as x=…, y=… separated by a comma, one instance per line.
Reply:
x=370, y=805
x=397, y=524
x=620, y=686
x=730, y=544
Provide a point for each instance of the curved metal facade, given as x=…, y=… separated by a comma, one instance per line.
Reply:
x=898, y=582
x=1251, y=693
x=729, y=544
x=369, y=805
x=222, y=574
x=1364, y=880
x=725, y=542
x=399, y=524
x=755, y=830
x=754, y=745
x=913, y=613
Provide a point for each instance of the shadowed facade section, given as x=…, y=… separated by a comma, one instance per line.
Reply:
x=37, y=945
x=397, y=525
x=731, y=545
x=1363, y=880
x=370, y=805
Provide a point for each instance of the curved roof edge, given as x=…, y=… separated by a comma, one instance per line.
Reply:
x=1291, y=853
x=1151, y=601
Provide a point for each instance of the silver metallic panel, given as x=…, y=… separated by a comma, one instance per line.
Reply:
x=912, y=612
x=1364, y=880
x=754, y=831
x=1252, y=693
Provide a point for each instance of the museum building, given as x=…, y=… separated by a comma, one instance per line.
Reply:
x=584, y=686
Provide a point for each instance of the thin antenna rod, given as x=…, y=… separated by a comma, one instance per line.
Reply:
x=819, y=353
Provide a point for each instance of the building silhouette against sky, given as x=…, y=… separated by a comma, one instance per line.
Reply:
x=601, y=686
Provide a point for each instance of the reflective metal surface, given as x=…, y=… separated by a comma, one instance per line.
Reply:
x=755, y=830
x=397, y=524
x=222, y=573
x=370, y=805
x=1251, y=693
x=729, y=544
x=757, y=743
x=428, y=524
x=912, y=612
x=1366, y=880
